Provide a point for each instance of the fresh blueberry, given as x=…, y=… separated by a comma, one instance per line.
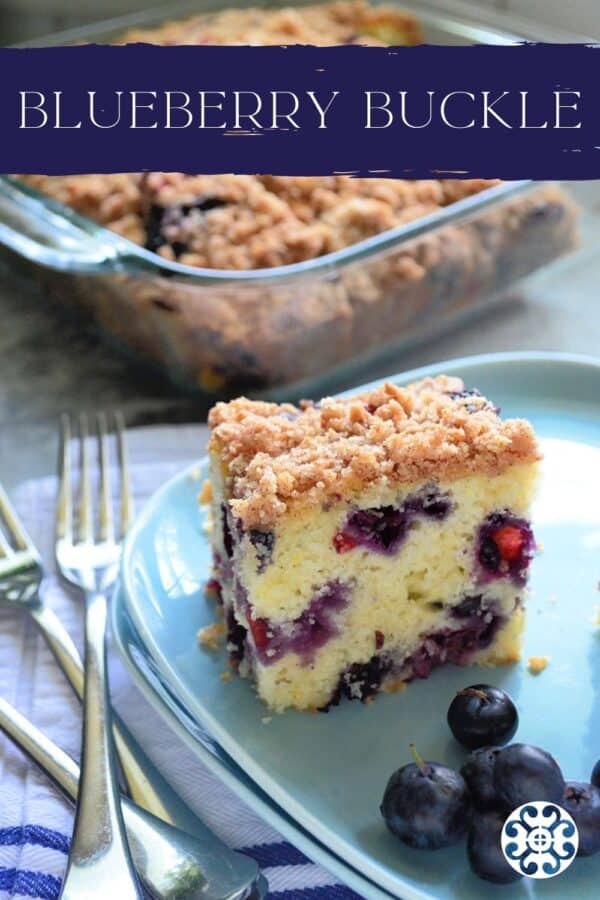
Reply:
x=427, y=805
x=596, y=775
x=524, y=773
x=582, y=801
x=478, y=772
x=482, y=715
x=484, y=850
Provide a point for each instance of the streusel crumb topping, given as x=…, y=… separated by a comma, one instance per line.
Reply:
x=277, y=456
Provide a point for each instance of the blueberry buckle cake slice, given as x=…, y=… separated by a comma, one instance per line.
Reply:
x=361, y=542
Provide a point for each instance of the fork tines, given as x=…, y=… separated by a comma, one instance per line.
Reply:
x=88, y=520
x=13, y=536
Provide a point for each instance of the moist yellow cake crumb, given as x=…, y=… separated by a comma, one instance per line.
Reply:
x=205, y=495
x=211, y=635
x=537, y=664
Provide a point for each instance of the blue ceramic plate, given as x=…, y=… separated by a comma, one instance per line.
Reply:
x=328, y=772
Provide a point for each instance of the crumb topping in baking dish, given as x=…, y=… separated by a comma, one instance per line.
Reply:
x=241, y=222
x=322, y=24
x=250, y=222
x=278, y=455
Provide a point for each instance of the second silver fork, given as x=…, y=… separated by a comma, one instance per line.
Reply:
x=163, y=854
x=88, y=557
x=21, y=577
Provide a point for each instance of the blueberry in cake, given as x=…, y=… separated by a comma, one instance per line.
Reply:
x=361, y=542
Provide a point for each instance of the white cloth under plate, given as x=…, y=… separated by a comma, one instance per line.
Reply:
x=35, y=821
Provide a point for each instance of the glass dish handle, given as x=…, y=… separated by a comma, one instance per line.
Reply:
x=30, y=228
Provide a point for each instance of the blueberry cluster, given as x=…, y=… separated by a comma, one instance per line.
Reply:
x=305, y=635
x=429, y=806
x=383, y=529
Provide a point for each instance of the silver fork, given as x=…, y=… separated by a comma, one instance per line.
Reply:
x=99, y=861
x=171, y=864
x=161, y=852
x=21, y=575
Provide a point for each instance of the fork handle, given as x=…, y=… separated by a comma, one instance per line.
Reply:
x=59, y=640
x=99, y=861
x=160, y=853
x=145, y=784
x=53, y=761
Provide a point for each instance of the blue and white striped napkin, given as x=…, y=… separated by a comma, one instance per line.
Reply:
x=35, y=821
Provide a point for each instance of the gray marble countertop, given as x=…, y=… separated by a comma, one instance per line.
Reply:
x=50, y=364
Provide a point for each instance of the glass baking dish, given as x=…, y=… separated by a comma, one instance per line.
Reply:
x=293, y=330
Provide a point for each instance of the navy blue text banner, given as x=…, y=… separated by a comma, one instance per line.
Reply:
x=512, y=112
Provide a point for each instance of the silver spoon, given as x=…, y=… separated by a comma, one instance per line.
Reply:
x=170, y=863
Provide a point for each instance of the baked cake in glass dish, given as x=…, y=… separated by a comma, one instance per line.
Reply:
x=361, y=542
x=268, y=334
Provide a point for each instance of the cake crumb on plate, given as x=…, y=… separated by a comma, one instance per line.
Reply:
x=205, y=495
x=210, y=636
x=537, y=664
